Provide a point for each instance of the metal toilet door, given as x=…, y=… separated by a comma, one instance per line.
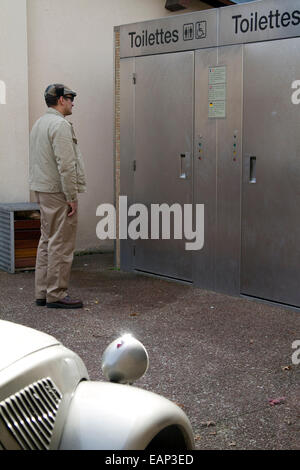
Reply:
x=270, y=264
x=164, y=93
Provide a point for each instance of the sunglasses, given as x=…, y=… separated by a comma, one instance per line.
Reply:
x=67, y=97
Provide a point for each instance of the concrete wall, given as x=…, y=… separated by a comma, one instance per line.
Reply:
x=13, y=102
x=68, y=41
x=71, y=41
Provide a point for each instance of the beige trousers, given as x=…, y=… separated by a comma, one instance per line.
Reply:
x=56, y=247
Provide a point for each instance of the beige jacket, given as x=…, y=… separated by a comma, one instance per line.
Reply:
x=55, y=163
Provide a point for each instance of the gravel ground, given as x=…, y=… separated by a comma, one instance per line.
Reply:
x=220, y=358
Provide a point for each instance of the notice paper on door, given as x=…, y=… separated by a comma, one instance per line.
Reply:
x=217, y=109
x=217, y=92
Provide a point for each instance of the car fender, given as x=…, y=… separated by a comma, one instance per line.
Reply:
x=112, y=416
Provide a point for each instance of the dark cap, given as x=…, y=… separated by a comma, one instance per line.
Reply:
x=58, y=89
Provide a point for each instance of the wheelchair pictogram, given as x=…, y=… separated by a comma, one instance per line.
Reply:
x=200, y=30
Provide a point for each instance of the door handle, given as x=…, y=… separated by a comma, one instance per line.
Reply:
x=185, y=161
x=252, y=171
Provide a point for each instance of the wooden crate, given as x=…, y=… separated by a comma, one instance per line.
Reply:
x=27, y=234
x=19, y=236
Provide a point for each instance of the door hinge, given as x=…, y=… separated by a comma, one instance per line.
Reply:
x=134, y=78
x=134, y=165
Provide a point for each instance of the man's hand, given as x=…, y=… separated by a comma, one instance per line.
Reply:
x=72, y=208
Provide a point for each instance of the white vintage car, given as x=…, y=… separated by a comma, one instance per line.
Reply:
x=48, y=402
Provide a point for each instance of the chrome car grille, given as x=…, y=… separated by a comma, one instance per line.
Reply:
x=30, y=414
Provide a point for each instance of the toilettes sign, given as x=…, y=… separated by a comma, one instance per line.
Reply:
x=177, y=33
x=250, y=22
x=259, y=21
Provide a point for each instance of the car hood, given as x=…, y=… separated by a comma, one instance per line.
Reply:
x=17, y=341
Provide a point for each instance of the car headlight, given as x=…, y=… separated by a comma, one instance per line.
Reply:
x=125, y=360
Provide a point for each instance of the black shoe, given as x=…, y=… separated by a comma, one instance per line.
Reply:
x=40, y=302
x=67, y=302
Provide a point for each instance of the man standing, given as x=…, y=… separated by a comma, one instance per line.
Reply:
x=57, y=176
